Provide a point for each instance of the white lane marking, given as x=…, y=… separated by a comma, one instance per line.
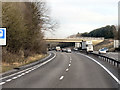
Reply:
x=27, y=72
x=19, y=75
x=61, y=77
x=70, y=61
x=8, y=80
x=32, y=69
x=69, y=65
x=112, y=75
x=35, y=67
x=67, y=69
x=22, y=70
x=70, y=58
x=14, y=77
x=23, y=74
x=2, y=83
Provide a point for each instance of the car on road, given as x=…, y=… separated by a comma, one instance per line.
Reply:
x=64, y=49
x=58, y=48
x=75, y=49
x=102, y=51
x=69, y=50
x=105, y=49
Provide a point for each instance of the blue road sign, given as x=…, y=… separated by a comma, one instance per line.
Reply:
x=2, y=33
x=2, y=36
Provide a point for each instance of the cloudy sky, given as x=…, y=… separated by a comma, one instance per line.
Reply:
x=81, y=16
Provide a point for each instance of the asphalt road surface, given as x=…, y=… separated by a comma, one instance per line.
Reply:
x=67, y=70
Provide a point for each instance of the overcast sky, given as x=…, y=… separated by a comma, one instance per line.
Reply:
x=81, y=16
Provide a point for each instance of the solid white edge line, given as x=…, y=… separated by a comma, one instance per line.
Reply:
x=25, y=70
x=113, y=76
x=20, y=71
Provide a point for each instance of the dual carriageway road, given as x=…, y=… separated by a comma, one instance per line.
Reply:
x=67, y=70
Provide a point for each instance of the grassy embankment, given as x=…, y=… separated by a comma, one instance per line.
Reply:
x=19, y=61
x=108, y=43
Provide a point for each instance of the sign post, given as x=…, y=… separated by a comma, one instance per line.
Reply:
x=0, y=45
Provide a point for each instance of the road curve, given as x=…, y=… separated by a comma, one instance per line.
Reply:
x=67, y=70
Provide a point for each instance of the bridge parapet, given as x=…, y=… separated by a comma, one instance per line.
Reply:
x=89, y=38
x=75, y=40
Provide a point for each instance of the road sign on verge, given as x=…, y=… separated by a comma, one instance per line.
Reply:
x=2, y=36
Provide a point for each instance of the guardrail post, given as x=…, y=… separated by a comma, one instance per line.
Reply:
x=117, y=64
x=107, y=59
x=114, y=63
x=110, y=61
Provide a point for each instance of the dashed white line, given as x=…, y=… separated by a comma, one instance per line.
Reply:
x=27, y=72
x=61, y=77
x=14, y=77
x=30, y=69
x=23, y=74
x=19, y=75
x=70, y=61
x=25, y=69
x=69, y=65
x=8, y=80
x=2, y=83
x=67, y=69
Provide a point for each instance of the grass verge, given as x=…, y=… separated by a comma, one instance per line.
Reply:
x=7, y=67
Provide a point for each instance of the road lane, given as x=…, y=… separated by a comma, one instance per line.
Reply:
x=67, y=70
x=45, y=76
x=85, y=73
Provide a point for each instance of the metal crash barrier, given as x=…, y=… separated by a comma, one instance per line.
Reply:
x=108, y=59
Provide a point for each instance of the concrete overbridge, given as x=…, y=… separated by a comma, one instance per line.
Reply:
x=72, y=41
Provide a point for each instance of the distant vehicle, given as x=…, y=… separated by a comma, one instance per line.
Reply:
x=75, y=49
x=102, y=51
x=64, y=49
x=53, y=48
x=58, y=48
x=106, y=49
x=77, y=45
x=87, y=46
x=68, y=50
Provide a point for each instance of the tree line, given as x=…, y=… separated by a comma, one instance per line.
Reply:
x=26, y=23
x=106, y=32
